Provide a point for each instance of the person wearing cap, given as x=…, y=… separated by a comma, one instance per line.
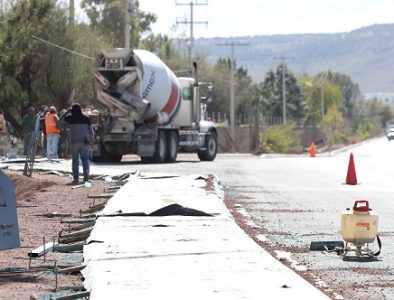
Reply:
x=28, y=126
x=81, y=139
x=53, y=132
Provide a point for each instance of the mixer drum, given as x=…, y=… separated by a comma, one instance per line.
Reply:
x=137, y=80
x=159, y=87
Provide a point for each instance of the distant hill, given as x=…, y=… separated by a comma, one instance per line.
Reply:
x=365, y=54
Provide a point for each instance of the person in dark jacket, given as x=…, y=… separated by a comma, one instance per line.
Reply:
x=28, y=126
x=81, y=140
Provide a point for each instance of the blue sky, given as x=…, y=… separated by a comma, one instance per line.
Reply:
x=228, y=18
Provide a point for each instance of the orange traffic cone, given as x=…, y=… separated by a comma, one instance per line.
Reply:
x=351, y=177
x=312, y=150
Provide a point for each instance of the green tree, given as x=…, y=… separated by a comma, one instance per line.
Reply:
x=334, y=126
x=320, y=95
x=26, y=64
x=244, y=92
x=108, y=18
x=89, y=43
x=373, y=115
x=350, y=91
x=220, y=77
x=272, y=92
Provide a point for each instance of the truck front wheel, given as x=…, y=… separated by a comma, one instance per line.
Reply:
x=211, y=145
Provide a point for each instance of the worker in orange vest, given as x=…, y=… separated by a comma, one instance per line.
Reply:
x=53, y=132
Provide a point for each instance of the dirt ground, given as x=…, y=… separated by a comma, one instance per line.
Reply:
x=38, y=198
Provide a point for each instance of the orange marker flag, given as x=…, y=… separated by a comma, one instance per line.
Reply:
x=312, y=150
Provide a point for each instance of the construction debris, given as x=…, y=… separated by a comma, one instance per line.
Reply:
x=40, y=251
x=54, y=214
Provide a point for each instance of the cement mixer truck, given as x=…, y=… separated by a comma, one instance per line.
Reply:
x=148, y=110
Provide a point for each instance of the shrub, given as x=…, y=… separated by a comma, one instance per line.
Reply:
x=367, y=130
x=334, y=127
x=281, y=139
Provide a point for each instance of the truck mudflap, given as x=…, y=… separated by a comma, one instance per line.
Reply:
x=146, y=149
x=146, y=141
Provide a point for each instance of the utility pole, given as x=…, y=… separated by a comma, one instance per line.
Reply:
x=129, y=8
x=232, y=86
x=284, y=99
x=72, y=13
x=191, y=22
x=320, y=84
x=72, y=67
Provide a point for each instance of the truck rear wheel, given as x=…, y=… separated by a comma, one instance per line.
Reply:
x=106, y=156
x=172, y=146
x=211, y=145
x=160, y=148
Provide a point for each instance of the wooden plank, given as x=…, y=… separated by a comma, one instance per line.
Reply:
x=107, y=195
x=78, y=233
x=83, y=225
x=113, y=188
x=73, y=239
x=70, y=270
x=93, y=208
x=78, y=220
x=73, y=296
x=66, y=248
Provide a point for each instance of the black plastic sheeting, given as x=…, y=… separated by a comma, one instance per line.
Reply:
x=169, y=210
x=178, y=210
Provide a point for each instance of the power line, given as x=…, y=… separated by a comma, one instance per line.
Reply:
x=65, y=49
x=191, y=22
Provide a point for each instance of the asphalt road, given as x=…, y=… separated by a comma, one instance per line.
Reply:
x=293, y=200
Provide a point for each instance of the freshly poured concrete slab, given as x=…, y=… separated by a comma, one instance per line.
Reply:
x=181, y=257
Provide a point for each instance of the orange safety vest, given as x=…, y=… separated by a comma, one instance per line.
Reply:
x=50, y=124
